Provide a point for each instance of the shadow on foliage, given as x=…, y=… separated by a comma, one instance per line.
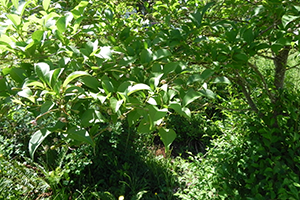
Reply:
x=122, y=165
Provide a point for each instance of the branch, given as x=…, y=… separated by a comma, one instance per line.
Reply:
x=295, y=66
x=267, y=57
x=264, y=83
x=242, y=83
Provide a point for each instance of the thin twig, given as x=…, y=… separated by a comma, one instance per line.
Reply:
x=295, y=66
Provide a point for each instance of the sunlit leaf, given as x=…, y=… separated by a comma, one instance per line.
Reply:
x=41, y=69
x=222, y=79
x=73, y=76
x=115, y=104
x=27, y=93
x=36, y=140
x=286, y=19
x=15, y=19
x=138, y=87
x=46, y=4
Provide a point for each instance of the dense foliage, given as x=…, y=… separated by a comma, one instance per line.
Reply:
x=86, y=86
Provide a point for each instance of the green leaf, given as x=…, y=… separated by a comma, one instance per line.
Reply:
x=124, y=87
x=36, y=139
x=80, y=135
x=34, y=84
x=115, y=104
x=187, y=112
x=90, y=117
x=170, y=67
x=146, y=56
x=198, y=15
x=167, y=136
x=27, y=93
x=208, y=93
x=154, y=81
x=109, y=14
x=207, y=73
x=61, y=24
x=144, y=127
x=152, y=101
x=18, y=74
x=138, y=87
x=176, y=106
x=37, y=35
x=91, y=82
x=161, y=53
x=73, y=76
x=156, y=114
x=190, y=96
x=48, y=105
x=55, y=74
x=42, y=69
x=46, y=4
x=196, y=18
x=133, y=117
x=15, y=3
x=240, y=57
x=107, y=85
x=15, y=19
x=248, y=36
x=286, y=19
x=222, y=79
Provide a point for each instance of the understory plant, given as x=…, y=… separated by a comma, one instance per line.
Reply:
x=79, y=72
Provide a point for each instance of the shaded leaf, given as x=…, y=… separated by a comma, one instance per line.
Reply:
x=48, y=105
x=208, y=93
x=146, y=56
x=55, y=75
x=18, y=74
x=167, y=136
x=170, y=67
x=161, y=53
x=90, y=117
x=207, y=73
x=190, y=96
x=91, y=82
x=81, y=135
